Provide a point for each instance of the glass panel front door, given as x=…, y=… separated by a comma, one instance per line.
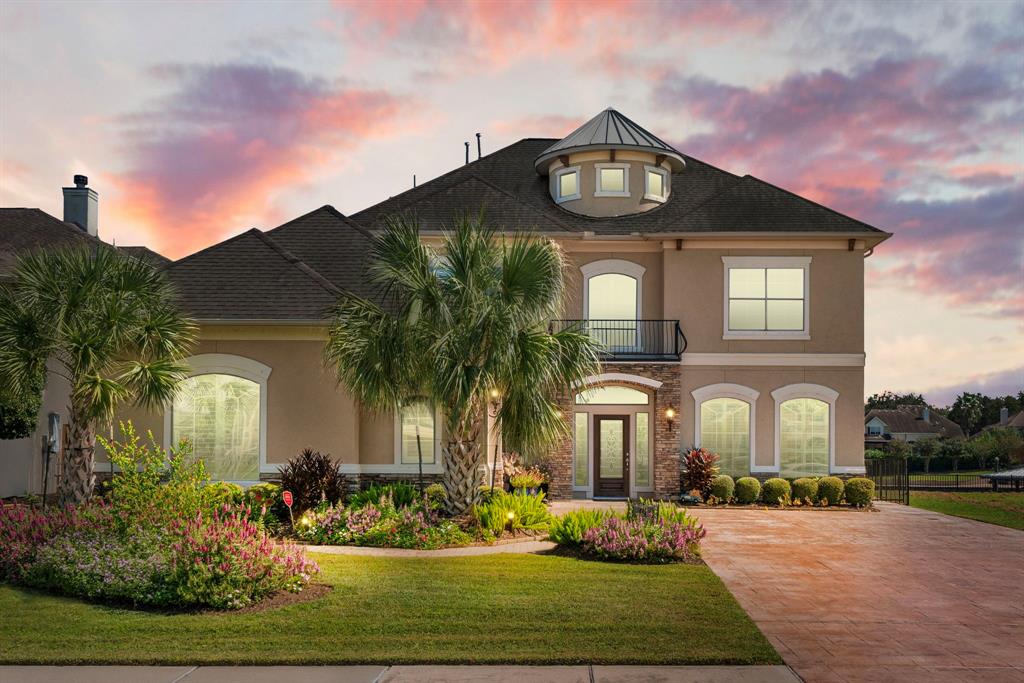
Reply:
x=612, y=455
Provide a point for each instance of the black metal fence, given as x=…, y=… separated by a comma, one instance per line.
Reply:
x=892, y=482
x=955, y=481
x=632, y=339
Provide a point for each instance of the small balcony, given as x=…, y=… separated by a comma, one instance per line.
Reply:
x=632, y=340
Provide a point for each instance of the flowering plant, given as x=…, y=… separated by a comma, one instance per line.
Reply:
x=662, y=540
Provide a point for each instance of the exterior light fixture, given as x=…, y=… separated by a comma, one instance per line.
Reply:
x=670, y=415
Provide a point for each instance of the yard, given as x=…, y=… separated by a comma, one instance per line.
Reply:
x=488, y=609
x=1005, y=509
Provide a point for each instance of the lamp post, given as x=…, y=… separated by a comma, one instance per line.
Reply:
x=493, y=412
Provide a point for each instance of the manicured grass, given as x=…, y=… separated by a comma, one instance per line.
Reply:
x=926, y=475
x=490, y=609
x=1005, y=509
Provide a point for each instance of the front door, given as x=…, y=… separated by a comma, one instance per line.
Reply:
x=611, y=461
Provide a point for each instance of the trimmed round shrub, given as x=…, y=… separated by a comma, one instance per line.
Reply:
x=722, y=487
x=805, y=488
x=774, y=490
x=223, y=493
x=859, y=491
x=830, y=489
x=748, y=490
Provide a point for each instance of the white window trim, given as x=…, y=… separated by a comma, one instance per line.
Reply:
x=613, y=267
x=803, y=262
x=431, y=468
x=236, y=366
x=598, y=192
x=740, y=393
x=558, y=184
x=612, y=377
x=821, y=393
x=664, y=184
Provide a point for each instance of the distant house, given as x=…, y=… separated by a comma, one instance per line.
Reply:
x=907, y=423
x=1006, y=420
x=23, y=230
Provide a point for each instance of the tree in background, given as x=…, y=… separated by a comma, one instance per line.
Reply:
x=19, y=410
x=925, y=450
x=110, y=325
x=966, y=412
x=991, y=407
x=888, y=400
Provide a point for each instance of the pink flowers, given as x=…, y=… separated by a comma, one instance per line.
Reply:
x=638, y=539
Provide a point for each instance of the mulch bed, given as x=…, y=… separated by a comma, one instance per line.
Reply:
x=759, y=506
x=578, y=553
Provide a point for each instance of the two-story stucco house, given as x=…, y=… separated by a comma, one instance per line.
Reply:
x=732, y=312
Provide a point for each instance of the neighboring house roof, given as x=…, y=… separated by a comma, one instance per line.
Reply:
x=147, y=255
x=910, y=420
x=704, y=199
x=24, y=230
x=1014, y=421
x=609, y=130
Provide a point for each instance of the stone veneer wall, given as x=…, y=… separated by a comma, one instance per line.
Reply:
x=666, y=440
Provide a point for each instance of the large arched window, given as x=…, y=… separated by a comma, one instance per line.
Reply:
x=221, y=409
x=724, y=424
x=804, y=429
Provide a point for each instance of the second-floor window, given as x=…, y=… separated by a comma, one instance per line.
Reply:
x=612, y=180
x=766, y=297
x=612, y=296
x=567, y=184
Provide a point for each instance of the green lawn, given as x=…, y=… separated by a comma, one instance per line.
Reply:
x=489, y=609
x=1005, y=509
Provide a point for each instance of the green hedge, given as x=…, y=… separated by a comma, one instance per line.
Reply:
x=830, y=489
x=859, y=491
x=722, y=487
x=748, y=490
x=805, y=489
x=774, y=490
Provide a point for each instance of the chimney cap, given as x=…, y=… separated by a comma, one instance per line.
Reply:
x=81, y=180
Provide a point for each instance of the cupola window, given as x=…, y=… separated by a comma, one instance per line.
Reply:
x=655, y=184
x=612, y=180
x=567, y=184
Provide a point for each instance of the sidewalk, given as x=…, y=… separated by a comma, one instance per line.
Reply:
x=397, y=674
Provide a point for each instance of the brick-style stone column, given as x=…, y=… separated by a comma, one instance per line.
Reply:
x=560, y=458
x=666, y=440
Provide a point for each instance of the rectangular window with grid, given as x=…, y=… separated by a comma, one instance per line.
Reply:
x=766, y=296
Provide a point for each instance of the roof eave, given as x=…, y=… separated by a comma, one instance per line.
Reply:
x=541, y=164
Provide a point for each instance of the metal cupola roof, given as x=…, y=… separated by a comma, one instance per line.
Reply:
x=609, y=130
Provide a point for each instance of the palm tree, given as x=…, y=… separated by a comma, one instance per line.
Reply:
x=105, y=322
x=460, y=325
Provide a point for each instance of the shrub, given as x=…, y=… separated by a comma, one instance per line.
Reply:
x=775, y=491
x=722, y=487
x=859, y=491
x=830, y=491
x=874, y=454
x=312, y=478
x=401, y=495
x=221, y=493
x=570, y=527
x=748, y=490
x=615, y=538
x=701, y=467
x=805, y=489
x=386, y=526
x=436, y=496
x=527, y=479
x=228, y=562
x=512, y=511
x=24, y=530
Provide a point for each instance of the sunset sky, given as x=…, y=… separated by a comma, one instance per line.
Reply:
x=195, y=121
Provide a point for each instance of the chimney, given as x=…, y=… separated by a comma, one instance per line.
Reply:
x=926, y=414
x=1004, y=415
x=82, y=206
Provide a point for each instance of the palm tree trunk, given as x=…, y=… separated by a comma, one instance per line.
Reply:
x=79, y=477
x=463, y=474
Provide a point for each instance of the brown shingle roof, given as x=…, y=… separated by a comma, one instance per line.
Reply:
x=910, y=420
x=146, y=254
x=704, y=199
x=24, y=230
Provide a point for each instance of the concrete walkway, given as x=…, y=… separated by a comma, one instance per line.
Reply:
x=397, y=674
x=896, y=595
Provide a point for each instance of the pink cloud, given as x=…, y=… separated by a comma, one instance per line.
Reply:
x=211, y=156
x=867, y=141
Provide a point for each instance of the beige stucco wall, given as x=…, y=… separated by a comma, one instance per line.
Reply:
x=305, y=407
x=849, y=417
x=694, y=282
x=652, y=289
x=588, y=204
x=21, y=460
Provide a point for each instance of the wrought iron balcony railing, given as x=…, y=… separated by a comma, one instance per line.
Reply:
x=632, y=340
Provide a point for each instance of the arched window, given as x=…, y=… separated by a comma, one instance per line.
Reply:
x=612, y=395
x=221, y=409
x=724, y=424
x=804, y=429
x=613, y=301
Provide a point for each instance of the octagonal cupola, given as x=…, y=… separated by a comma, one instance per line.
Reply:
x=610, y=166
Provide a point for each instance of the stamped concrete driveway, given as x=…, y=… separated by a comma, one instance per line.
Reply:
x=895, y=595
